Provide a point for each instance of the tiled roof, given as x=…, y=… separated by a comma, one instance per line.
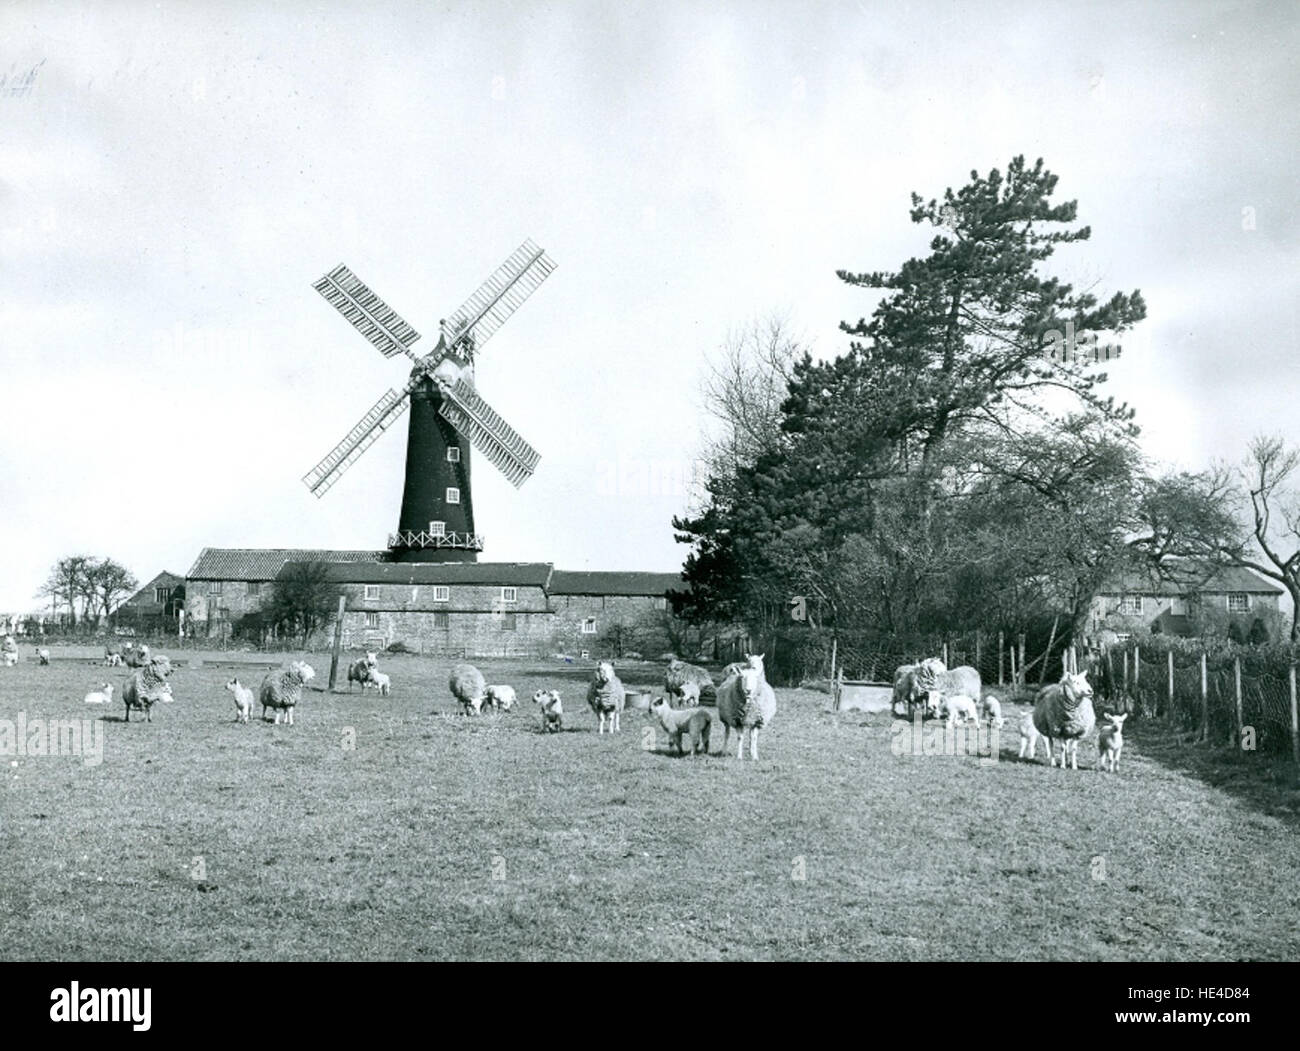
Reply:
x=517, y=574
x=263, y=563
x=599, y=583
x=1202, y=580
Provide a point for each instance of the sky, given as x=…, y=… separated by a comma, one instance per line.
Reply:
x=175, y=176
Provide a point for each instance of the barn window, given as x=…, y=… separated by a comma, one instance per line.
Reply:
x=1238, y=602
x=509, y=594
x=508, y=622
x=254, y=587
x=438, y=528
x=160, y=595
x=453, y=495
x=441, y=593
x=372, y=620
x=453, y=454
x=589, y=626
x=661, y=603
x=372, y=592
x=215, y=587
x=441, y=619
x=1131, y=605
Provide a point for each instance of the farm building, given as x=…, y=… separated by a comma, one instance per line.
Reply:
x=154, y=605
x=1197, y=597
x=475, y=608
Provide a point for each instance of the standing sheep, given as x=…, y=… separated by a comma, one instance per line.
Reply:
x=905, y=686
x=10, y=651
x=606, y=696
x=745, y=700
x=381, y=682
x=552, y=709
x=680, y=672
x=932, y=679
x=362, y=669
x=1110, y=742
x=502, y=698
x=468, y=686
x=42, y=655
x=696, y=723
x=243, y=700
x=1064, y=710
x=147, y=686
x=282, y=690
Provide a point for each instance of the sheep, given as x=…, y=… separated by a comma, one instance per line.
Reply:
x=933, y=678
x=282, y=690
x=745, y=700
x=1064, y=710
x=993, y=711
x=689, y=695
x=960, y=704
x=381, y=682
x=905, y=689
x=697, y=722
x=680, y=672
x=1029, y=736
x=468, y=686
x=114, y=660
x=606, y=696
x=751, y=661
x=1110, y=742
x=138, y=658
x=243, y=700
x=10, y=651
x=103, y=695
x=147, y=687
x=500, y=697
x=361, y=669
x=42, y=655
x=552, y=710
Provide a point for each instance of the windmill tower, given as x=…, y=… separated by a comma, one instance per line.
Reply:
x=436, y=523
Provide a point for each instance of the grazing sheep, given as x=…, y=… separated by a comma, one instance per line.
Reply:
x=147, y=687
x=243, y=700
x=361, y=670
x=381, y=682
x=745, y=700
x=552, y=710
x=993, y=711
x=697, y=722
x=468, y=686
x=1110, y=742
x=680, y=672
x=282, y=690
x=1064, y=710
x=959, y=705
x=501, y=698
x=905, y=688
x=606, y=696
x=104, y=695
x=933, y=678
x=42, y=655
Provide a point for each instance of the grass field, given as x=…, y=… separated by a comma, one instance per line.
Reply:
x=396, y=829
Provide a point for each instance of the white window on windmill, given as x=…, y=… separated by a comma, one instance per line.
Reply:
x=453, y=495
x=589, y=626
x=372, y=592
x=1238, y=602
x=509, y=595
x=453, y=454
x=441, y=593
x=437, y=528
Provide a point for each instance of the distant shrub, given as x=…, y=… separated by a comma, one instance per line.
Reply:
x=398, y=647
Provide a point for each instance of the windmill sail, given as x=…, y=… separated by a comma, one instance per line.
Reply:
x=475, y=321
x=366, y=312
x=490, y=434
x=367, y=431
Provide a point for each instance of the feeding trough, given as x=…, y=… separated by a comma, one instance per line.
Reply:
x=636, y=699
x=861, y=695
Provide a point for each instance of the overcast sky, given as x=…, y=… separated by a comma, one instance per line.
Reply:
x=176, y=175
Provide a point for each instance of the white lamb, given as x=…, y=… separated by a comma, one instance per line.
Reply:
x=993, y=711
x=552, y=710
x=500, y=697
x=243, y=700
x=381, y=682
x=10, y=651
x=104, y=695
x=963, y=706
x=42, y=655
x=1110, y=742
x=1029, y=737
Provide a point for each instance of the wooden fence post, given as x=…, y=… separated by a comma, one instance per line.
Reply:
x=1125, y=656
x=1023, y=675
x=1205, y=700
x=1137, y=666
x=338, y=641
x=1295, y=721
x=835, y=643
x=1236, y=674
x=1001, y=681
x=945, y=653
x=1170, y=706
x=978, y=654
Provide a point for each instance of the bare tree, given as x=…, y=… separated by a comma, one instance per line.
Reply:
x=1275, y=518
x=745, y=382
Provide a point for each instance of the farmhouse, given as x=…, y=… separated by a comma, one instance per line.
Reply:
x=474, y=608
x=154, y=605
x=1183, y=606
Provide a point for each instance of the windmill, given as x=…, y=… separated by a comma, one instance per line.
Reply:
x=436, y=523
